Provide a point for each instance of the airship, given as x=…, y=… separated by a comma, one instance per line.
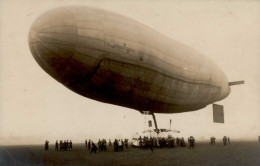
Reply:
x=114, y=59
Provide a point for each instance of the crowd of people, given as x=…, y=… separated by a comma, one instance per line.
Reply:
x=102, y=145
x=144, y=143
x=170, y=142
x=63, y=145
x=118, y=145
x=225, y=140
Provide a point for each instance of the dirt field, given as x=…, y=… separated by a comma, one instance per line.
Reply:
x=234, y=154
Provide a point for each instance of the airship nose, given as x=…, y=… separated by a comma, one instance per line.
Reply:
x=53, y=39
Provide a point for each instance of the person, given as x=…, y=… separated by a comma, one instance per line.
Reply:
x=89, y=145
x=178, y=141
x=70, y=145
x=140, y=143
x=116, y=145
x=154, y=142
x=67, y=148
x=228, y=140
x=191, y=142
x=151, y=144
x=126, y=143
x=110, y=143
x=169, y=142
x=158, y=143
x=65, y=145
x=162, y=142
x=122, y=142
x=56, y=146
x=86, y=143
x=103, y=145
x=182, y=142
x=173, y=142
x=120, y=145
x=99, y=145
x=225, y=140
x=212, y=140
x=46, y=145
x=93, y=147
x=61, y=145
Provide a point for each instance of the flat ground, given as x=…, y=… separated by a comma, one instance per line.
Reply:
x=234, y=154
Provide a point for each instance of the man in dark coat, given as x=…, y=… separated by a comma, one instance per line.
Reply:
x=46, y=145
x=89, y=145
x=191, y=142
x=93, y=147
x=56, y=146
x=225, y=140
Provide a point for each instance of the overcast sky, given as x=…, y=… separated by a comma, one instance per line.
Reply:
x=35, y=107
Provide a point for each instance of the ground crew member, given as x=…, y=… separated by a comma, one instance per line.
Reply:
x=126, y=143
x=56, y=146
x=110, y=143
x=65, y=145
x=212, y=140
x=178, y=141
x=99, y=145
x=192, y=142
x=46, y=145
x=151, y=144
x=183, y=144
x=120, y=145
x=89, y=145
x=70, y=145
x=93, y=147
x=61, y=145
x=115, y=145
x=225, y=140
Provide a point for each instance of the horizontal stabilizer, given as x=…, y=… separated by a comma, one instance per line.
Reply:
x=236, y=83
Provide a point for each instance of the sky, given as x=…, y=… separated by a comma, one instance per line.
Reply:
x=35, y=107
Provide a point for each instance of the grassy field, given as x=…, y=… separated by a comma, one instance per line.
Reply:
x=234, y=154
